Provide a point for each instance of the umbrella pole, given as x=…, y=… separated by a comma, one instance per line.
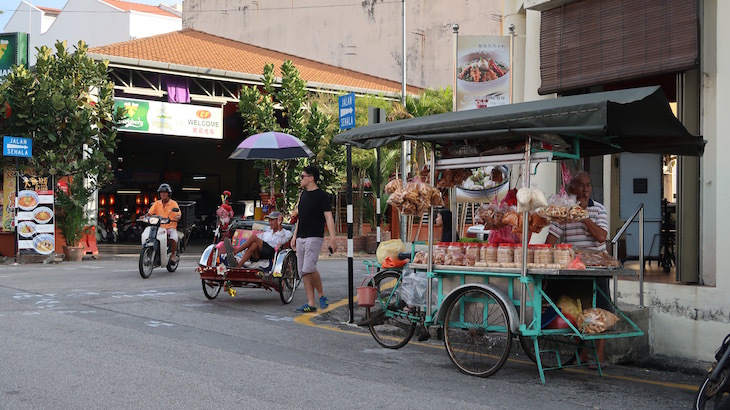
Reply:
x=272, y=189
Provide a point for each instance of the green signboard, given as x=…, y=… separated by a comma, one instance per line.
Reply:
x=13, y=51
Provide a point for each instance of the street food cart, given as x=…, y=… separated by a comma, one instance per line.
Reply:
x=479, y=309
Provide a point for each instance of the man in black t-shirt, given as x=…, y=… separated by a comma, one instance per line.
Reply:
x=314, y=211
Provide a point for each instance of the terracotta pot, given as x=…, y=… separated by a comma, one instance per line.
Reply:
x=74, y=253
x=371, y=244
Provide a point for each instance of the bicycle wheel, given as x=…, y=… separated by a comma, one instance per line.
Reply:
x=551, y=348
x=146, y=262
x=211, y=288
x=289, y=279
x=385, y=320
x=714, y=395
x=477, y=335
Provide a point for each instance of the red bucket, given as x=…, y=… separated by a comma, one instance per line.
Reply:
x=366, y=294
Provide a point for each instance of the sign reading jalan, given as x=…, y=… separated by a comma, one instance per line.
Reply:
x=17, y=147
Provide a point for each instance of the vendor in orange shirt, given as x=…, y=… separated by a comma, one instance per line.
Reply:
x=164, y=207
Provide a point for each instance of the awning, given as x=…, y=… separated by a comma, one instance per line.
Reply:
x=635, y=120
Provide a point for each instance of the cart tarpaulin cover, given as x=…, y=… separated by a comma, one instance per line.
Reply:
x=633, y=120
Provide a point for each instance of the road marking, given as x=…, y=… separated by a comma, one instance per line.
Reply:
x=154, y=323
x=306, y=319
x=278, y=318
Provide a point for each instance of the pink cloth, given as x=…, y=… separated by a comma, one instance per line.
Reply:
x=177, y=90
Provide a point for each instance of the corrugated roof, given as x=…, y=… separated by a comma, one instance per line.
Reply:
x=142, y=8
x=198, y=49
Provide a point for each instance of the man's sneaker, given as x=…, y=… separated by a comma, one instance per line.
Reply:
x=323, y=302
x=230, y=255
x=306, y=308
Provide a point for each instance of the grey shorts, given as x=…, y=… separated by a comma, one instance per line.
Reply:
x=308, y=250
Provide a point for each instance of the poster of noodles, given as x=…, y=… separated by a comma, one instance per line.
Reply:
x=482, y=72
x=35, y=222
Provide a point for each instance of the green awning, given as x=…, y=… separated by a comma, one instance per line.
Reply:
x=634, y=120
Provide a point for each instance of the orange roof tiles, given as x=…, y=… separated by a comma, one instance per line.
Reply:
x=49, y=10
x=142, y=8
x=198, y=49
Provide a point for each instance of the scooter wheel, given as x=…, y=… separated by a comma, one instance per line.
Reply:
x=146, y=262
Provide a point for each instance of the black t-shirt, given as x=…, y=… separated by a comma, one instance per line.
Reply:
x=312, y=206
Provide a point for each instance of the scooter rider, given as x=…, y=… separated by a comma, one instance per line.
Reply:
x=164, y=207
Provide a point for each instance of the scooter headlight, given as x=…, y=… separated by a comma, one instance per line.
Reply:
x=154, y=220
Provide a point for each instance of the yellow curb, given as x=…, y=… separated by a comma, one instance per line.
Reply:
x=306, y=319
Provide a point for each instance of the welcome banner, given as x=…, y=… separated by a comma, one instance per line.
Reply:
x=157, y=117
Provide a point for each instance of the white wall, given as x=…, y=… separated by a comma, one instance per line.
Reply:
x=366, y=37
x=92, y=21
x=146, y=25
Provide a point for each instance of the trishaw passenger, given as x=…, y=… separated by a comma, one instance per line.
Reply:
x=590, y=233
x=261, y=246
x=314, y=212
x=163, y=207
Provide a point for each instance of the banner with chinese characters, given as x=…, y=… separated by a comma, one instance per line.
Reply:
x=184, y=120
x=35, y=221
x=8, y=200
x=482, y=72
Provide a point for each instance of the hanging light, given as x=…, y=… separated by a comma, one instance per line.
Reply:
x=111, y=199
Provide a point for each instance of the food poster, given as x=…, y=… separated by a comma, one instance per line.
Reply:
x=482, y=72
x=35, y=222
x=8, y=200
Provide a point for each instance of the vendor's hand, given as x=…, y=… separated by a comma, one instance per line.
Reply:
x=333, y=245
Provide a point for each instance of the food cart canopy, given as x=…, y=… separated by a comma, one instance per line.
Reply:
x=633, y=120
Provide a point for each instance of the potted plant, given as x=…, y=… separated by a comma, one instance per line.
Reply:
x=71, y=217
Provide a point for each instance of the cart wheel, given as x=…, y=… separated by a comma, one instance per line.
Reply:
x=551, y=347
x=146, y=262
x=385, y=321
x=289, y=279
x=477, y=334
x=211, y=288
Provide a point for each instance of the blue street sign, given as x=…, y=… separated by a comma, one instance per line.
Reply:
x=347, y=111
x=17, y=147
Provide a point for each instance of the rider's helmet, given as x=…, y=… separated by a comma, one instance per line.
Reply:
x=164, y=188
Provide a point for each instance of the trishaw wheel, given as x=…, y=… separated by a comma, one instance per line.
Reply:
x=385, y=320
x=289, y=279
x=551, y=347
x=211, y=288
x=477, y=332
x=146, y=262
x=714, y=394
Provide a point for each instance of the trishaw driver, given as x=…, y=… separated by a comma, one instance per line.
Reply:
x=163, y=207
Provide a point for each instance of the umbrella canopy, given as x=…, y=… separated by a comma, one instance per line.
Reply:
x=271, y=145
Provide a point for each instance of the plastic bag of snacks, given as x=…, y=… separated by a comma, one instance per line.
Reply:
x=596, y=320
x=389, y=248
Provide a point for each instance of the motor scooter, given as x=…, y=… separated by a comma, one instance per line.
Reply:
x=715, y=391
x=155, y=246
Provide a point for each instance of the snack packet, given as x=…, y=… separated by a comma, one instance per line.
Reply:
x=596, y=320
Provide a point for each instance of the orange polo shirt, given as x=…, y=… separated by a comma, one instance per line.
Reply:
x=165, y=211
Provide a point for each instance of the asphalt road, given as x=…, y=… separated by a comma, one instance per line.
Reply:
x=94, y=334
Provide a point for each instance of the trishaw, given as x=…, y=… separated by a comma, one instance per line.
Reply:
x=478, y=310
x=278, y=274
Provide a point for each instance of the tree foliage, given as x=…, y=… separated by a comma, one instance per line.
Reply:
x=290, y=108
x=66, y=106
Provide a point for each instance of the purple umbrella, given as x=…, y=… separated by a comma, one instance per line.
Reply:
x=271, y=145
